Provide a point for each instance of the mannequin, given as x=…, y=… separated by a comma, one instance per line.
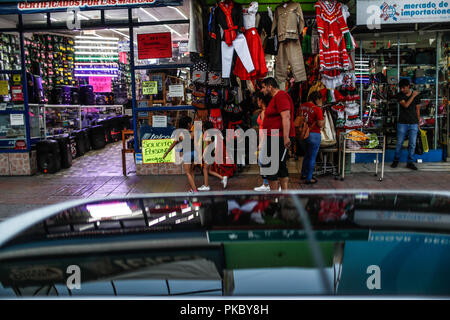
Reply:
x=289, y=23
x=255, y=47
x=226, y=31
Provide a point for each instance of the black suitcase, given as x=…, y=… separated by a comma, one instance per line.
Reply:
x=81, y=147
x=86, y=140
x=97, y=137
x=65, y=150
x=48, y=156
x=73, y=146
x=120, y=94
x=86, y=95
x=106, y=123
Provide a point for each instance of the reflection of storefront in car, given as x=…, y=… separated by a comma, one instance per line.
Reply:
x=213, y=245
x=404, y=40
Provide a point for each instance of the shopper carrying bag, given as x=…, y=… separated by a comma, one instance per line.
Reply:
x=312, y=113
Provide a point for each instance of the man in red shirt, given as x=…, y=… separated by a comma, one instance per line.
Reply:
x=279, y=123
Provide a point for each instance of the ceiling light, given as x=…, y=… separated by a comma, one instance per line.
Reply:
x=95, y=38
x=179, y=11
x=118, y=32
x=149, y=14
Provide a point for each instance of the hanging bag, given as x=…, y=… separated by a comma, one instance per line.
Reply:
x=328, y=133
x=301, y=127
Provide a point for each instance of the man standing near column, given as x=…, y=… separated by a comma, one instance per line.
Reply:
x=408, y=123
x=279, y=123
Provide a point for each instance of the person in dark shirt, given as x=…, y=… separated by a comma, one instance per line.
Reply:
x=408, y=122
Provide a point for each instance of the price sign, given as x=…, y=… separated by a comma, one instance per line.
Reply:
x=153, y=151
x=154, y=45
x=176, y=91
x=150, y=87
x=100, y=84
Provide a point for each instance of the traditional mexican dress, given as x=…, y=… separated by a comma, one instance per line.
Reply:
x=335, y=41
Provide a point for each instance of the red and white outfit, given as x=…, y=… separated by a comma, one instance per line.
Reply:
x=228, y=24
x=254, y=46
x=335, y=37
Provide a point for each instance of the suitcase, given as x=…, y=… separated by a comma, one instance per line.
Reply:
x=65, y=150
x=80, y=145
x=97, y=137
x=86, y=95
x=48, y=156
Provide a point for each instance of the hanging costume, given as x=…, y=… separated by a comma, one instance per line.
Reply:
x=226, y=27
x=270, y=44
x=335, y=41
x=254, y=45
x=289, y=23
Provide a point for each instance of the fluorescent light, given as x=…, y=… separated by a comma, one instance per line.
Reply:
x=95, y=38
x=96, y=75
x=153, y=17
x=149, y=14
x=97, y=58
x=51, y=19
x=95, y=42
x=95, y=47
x=172, y=30
x=123, y=34
x=179, y=11
x=97, y=52
x=83, y=16
x=96, y=63
x=96, y=69
x=109, y=210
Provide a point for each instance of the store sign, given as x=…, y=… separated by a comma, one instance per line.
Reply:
x=17, y=93
x=154, y=45
x=17, y=119
x=100, y=84
x=176, y=91
x=153, y=151
x=4, y=88
x=149, y=87
x=374, y=13
x=159, y=121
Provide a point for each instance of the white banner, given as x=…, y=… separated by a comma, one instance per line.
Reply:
x=373, y=13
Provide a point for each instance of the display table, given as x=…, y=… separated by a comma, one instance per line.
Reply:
x=343, y=138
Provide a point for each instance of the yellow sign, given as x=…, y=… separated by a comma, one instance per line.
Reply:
x=16, y=78
x=150, y=87
x=4, y=89
x=153, y=151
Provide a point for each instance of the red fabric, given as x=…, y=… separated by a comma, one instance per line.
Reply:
x=313, y=114
x=230, y=33
x=272, y=117
x=258, y=58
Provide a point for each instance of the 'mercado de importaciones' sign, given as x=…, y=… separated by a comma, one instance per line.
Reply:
x=376, y=12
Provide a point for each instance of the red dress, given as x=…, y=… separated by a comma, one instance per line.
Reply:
x=335, y=39
x=255, y=47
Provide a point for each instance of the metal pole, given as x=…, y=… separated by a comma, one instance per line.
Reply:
x=24, y=84
x=438, y=52
x=133, y=77
x=360, y=82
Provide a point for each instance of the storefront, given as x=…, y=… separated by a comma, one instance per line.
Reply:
x=69, y=73
x=87, y=70
x=404, y=40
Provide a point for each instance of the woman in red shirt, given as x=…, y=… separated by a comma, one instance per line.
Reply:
x=314, y=115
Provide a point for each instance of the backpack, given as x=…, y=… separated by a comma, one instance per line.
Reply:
x=301, y=127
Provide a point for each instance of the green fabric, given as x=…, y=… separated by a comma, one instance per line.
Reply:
x=306, y=44
x=348, y=41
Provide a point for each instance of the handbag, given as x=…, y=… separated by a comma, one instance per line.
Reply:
x=419, y=145
x=301, y=128
x=199, y=77
x=328, y=133
x=214, y=79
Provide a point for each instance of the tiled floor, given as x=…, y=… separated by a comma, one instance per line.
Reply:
x=98, y=174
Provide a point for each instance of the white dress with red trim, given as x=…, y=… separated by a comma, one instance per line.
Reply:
x=254, y=45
